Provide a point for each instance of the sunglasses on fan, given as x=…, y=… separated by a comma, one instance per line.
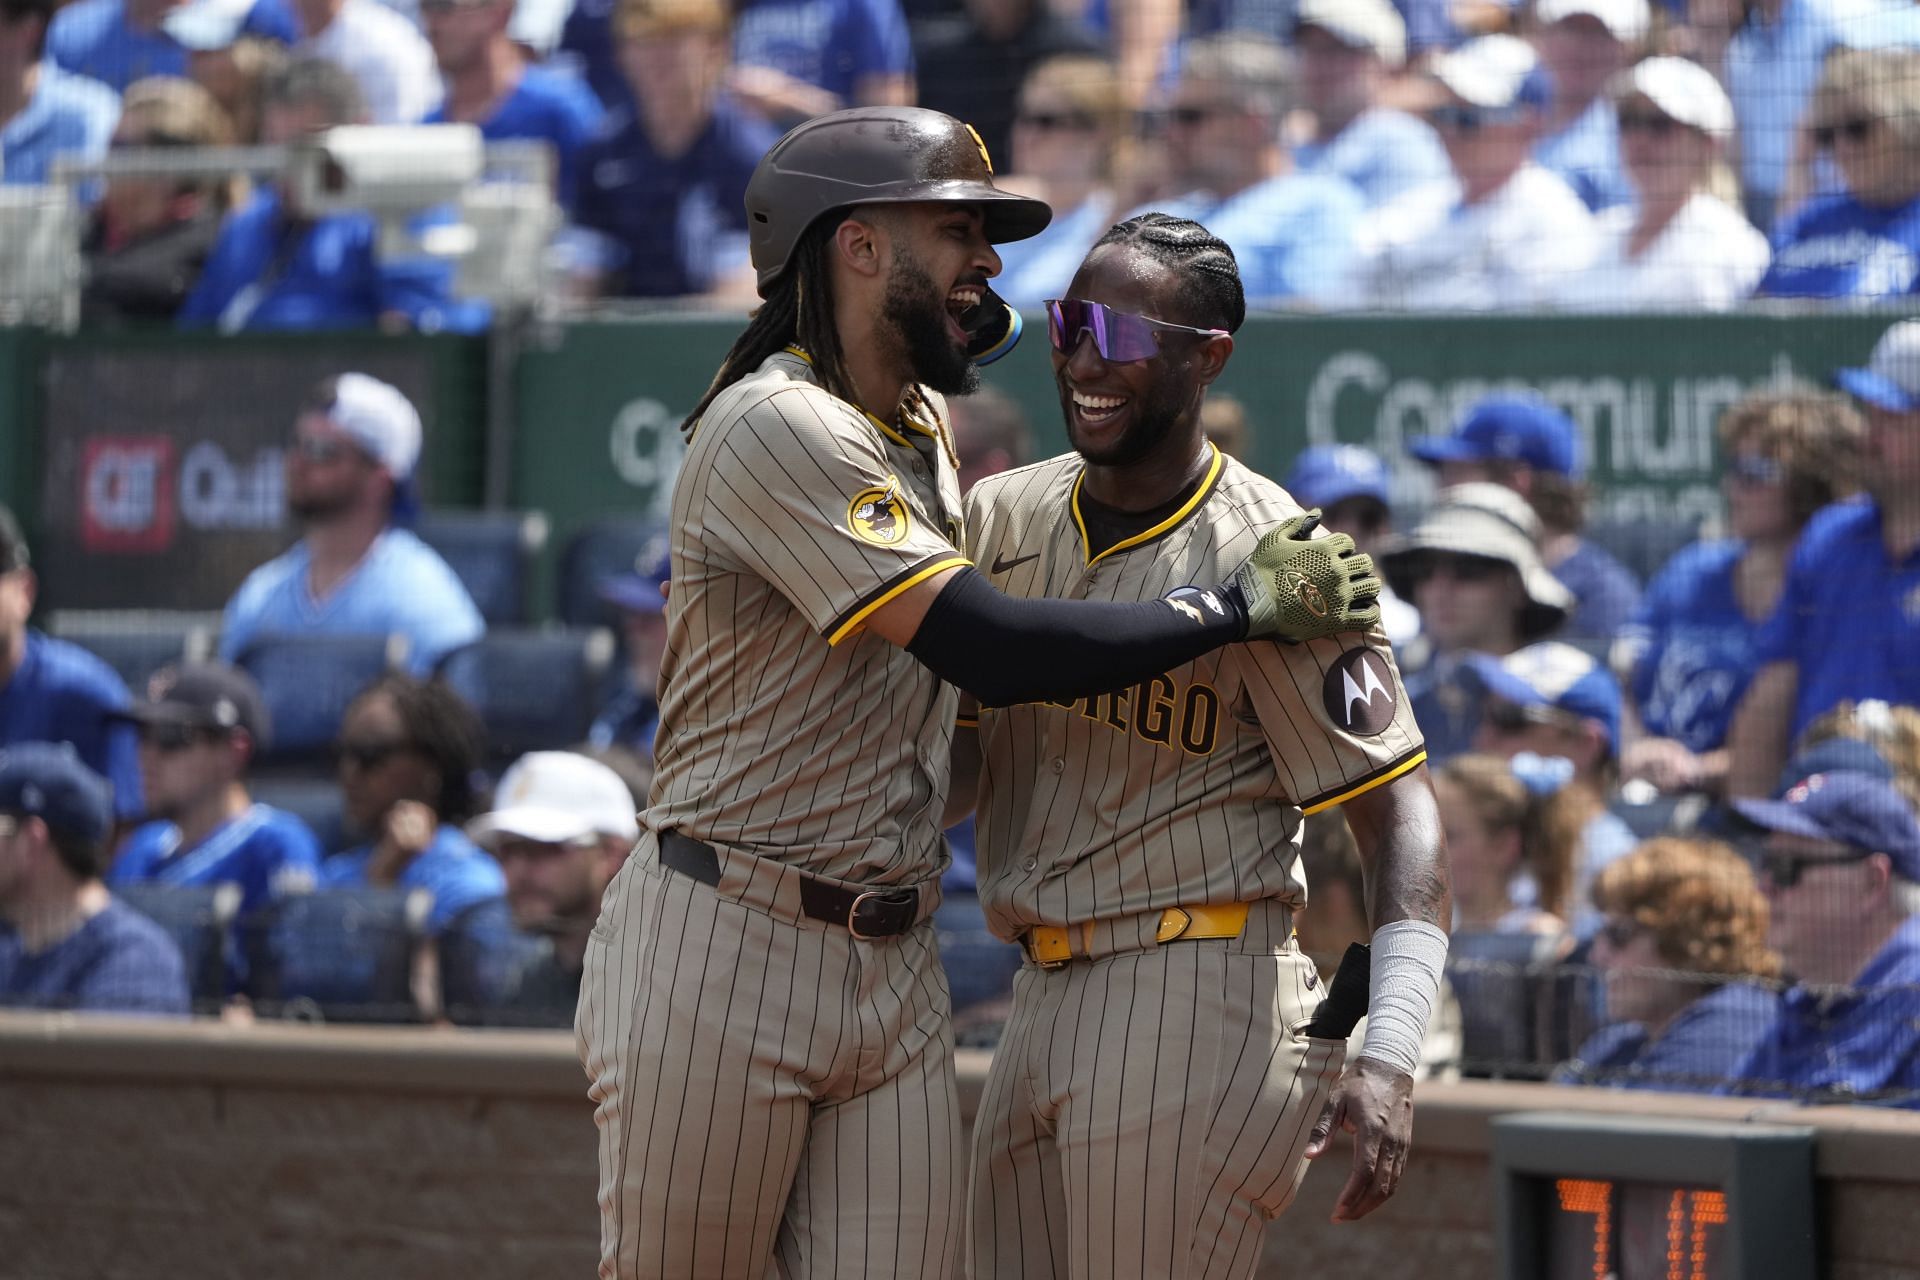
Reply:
x=1121, y=337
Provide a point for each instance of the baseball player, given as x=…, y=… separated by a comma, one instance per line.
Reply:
x=1161, y=1082
x=763, y=1016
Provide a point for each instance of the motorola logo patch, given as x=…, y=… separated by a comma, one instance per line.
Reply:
x=1358, y=693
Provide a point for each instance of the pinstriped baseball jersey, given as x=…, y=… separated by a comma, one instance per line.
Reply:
x=785, y=731
x=1187, y=789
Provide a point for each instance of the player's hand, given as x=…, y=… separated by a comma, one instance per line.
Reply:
x=404, y=835
x=1374, y=1103
x=1298, y=587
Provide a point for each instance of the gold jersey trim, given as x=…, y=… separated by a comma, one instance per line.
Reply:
x=1379, y=779
x=1187, y=508
x=857, y=619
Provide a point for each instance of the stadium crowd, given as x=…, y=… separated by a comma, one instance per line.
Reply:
x=1594, y=155
x=1679, y=790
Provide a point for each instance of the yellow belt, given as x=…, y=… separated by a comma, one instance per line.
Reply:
x=1052, y=944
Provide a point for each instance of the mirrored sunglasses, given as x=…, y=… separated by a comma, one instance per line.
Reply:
x=1121, y=337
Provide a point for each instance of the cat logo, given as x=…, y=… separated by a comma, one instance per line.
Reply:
x=879, y=514
x=1359, y=694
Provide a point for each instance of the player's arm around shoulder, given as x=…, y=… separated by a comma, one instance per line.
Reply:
x=1403, y=856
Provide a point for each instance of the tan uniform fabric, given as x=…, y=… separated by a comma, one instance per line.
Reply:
x=1149, y=1109
x=772, y=1093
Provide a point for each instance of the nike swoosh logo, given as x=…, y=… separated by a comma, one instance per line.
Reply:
x=1001, y=566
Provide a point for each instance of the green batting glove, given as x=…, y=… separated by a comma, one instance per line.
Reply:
x=1297, y=587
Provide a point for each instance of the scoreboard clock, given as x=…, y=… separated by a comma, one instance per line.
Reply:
x=1602, y=1197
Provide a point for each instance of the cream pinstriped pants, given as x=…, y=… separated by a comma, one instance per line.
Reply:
x=1148, y=1113
x=774, y=1097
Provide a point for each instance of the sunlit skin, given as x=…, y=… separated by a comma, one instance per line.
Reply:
x=1463, y=608
x=1878, y=169
x=1337, y=81
x=1641, y=985
x=1836, y=917
x=1068, y=155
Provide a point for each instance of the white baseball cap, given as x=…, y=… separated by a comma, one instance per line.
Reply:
x=1683, y=90
x=1359, y=24
x=380, y=419
x=1891, y=380
x=555, y=797
x=1494, y=72
x=1625, y=20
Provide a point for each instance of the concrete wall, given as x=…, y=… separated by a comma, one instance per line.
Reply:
x=205, y=1151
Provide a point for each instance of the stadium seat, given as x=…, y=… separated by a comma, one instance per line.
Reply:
x=198, y=918
x=1643, y=545
x=313, y=800
x=493, y=553
x=337, y=954
x=604, y=549
x=534, y=689
x=482, y=957
x=137, y=642
x=308, y=680
x=1495, y=977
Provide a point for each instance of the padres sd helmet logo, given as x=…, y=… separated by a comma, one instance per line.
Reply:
x=1307, y=594
x=879, y=514
x=1359, y=694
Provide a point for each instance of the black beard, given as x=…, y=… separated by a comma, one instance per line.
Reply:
x=1153, y=421
x=917, y=312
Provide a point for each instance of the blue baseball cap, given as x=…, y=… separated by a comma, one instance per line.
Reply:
x=1854, y=809
x=642, y=588
x=1835, y=755
x=1328, y=474
x=1891, y=380
x=1552, y=674
x=46, y=780
x=1507, y=428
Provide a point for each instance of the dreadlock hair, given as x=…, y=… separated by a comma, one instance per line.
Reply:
x=1209, y=276
x=444, y=729
x=797, y=312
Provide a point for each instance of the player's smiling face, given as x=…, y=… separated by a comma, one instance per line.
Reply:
x=941, y=262
x=1120, y=413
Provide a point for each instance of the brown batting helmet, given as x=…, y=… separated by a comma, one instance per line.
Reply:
x=875, y=155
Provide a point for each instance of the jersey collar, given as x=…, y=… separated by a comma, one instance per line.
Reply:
x=894, y=433
x=1160, y=530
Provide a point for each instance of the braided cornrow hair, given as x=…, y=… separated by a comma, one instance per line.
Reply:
x=798, y=312
x=1209, y=276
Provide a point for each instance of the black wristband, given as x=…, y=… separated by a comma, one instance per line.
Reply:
x=1006, y=650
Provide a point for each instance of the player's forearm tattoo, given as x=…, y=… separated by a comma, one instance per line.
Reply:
x=1410, y=879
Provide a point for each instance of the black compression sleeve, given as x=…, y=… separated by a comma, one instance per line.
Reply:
x=1005, y=650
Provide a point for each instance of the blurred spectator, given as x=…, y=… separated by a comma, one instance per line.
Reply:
x=1773, y=61
x=1584, y=44
x=1862, y=242
x=1690, y=650
x=1531, y=447
x=1290, y=232
x=1471, y=569
x=1352, y=488
x=410, y=755
x=1554, y=712
x=276, y=266
x=1680, y=247
x=1443, y=24
x=150, y=237
x=665, y=187
x=490, y=84
x=355, y=570
x=1223, y=421
x=1068, y=141
x=978, y=59
x=237, y=75
x=1841, y=869
x=990, y=435
x=200, y=727
x=561, y=826
x=120, y=41
x=1348, y=51
x=1890, y=733
x=1683, y=954
x=1502, y=233
x=65, y=943
x=55, y=691
x=632, y=716
x=794, y=58
x=1848, y=622
x=384, y=53
x=45, y=112
x=1503, y=846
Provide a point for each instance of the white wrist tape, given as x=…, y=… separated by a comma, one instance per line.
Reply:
x=1409, y=957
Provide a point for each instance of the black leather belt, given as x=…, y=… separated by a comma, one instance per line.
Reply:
x=870, y=913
